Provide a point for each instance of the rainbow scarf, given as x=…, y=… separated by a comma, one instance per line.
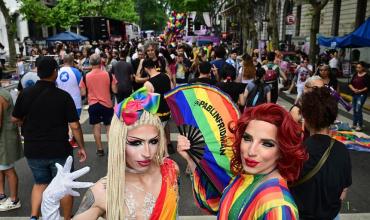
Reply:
x=166, y=204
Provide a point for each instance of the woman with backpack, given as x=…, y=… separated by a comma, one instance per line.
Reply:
x=257, y=92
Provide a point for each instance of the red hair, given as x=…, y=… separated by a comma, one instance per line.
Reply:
x=292, y=152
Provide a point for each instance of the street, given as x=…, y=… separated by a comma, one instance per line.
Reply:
x=357, y=201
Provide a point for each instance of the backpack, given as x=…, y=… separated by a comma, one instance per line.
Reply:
x=270, y=75
x=257, y=96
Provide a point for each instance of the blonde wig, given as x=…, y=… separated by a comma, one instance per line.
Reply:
x=117, y=161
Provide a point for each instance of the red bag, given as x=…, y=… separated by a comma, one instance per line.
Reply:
x=270, y=75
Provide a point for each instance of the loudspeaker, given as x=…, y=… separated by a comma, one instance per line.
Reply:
x=95, y=28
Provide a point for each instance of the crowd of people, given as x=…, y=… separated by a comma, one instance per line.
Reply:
x=285, y=163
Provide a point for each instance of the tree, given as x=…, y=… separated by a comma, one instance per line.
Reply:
x=336, y=17
x=360, y=12
x=273, y=24
x=152, y=14
x=317, y=6
x=11, y=29
x=68, y=12
x=113, y=9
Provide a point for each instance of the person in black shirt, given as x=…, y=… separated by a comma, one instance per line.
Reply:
x=204, y=74
x=227, y=84
x=135, y=65
x=45, y=111
x=124, y=74
x=320, y=197
x=159, y=83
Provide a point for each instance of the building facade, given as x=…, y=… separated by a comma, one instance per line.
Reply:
x=22, y=25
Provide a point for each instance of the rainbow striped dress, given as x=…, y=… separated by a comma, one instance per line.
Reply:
x=167, y=201
x=246, y=197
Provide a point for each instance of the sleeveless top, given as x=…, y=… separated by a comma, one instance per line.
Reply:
x=165, y=205
x=162, y=84
x=10, y=142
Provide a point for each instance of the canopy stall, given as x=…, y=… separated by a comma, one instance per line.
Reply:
x=358, y=38
x=67, y=36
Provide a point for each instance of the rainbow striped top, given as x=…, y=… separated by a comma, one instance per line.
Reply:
x=167, y=201
x=246, y=197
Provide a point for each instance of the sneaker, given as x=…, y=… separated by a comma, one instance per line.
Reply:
x=100, y=153
x=73, y=143
x=3, y=198
x=34, y=218
x=286, y=92
x=9, y=205
x=358, y=128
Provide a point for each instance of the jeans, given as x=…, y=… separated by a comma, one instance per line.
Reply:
x=358, y=101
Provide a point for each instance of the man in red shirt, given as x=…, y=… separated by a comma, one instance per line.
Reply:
x=97, y=86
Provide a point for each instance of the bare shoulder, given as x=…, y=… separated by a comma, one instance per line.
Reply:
x=100, y=186
x=87, y=202
x=94, y=192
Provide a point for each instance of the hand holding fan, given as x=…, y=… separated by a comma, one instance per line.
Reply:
x=202, y=114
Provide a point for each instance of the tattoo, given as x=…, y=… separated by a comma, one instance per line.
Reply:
x=87, y=202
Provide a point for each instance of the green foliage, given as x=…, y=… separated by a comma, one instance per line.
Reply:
x=152, y=14
x=121, y=10
x=190, y=5
x=36, y=11
x=68, y=12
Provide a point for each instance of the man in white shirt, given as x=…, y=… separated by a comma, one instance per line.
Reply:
x=69, y=80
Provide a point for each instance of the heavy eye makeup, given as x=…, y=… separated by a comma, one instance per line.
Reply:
x=134, y=141
x=247, y=137
x=265, y=142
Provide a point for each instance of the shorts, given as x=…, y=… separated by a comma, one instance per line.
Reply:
x=44, y=170
x=6, y=166
x=99, y=113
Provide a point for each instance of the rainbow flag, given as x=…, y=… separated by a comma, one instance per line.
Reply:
x=352, y=140
x=209, y=110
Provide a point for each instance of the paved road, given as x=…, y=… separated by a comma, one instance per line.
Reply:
x=358, y=199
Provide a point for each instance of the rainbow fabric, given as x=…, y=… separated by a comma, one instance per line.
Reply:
x=166, y=204
x=352, y=140
x=246, y=198
x=210, y=110
x=130, y=109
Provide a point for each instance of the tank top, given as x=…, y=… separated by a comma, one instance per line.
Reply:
x=161, y=84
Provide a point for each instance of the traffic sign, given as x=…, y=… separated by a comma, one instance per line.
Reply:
x=290, y=19
x=289, y=29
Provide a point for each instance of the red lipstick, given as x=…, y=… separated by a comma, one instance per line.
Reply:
x=144, y=163
x=251, y=163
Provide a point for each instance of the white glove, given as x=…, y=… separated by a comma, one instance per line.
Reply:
x=61, y=186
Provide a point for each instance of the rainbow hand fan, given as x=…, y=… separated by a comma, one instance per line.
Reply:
x=202, y=114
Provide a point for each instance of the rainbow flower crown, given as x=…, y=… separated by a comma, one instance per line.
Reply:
x=131, y=108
